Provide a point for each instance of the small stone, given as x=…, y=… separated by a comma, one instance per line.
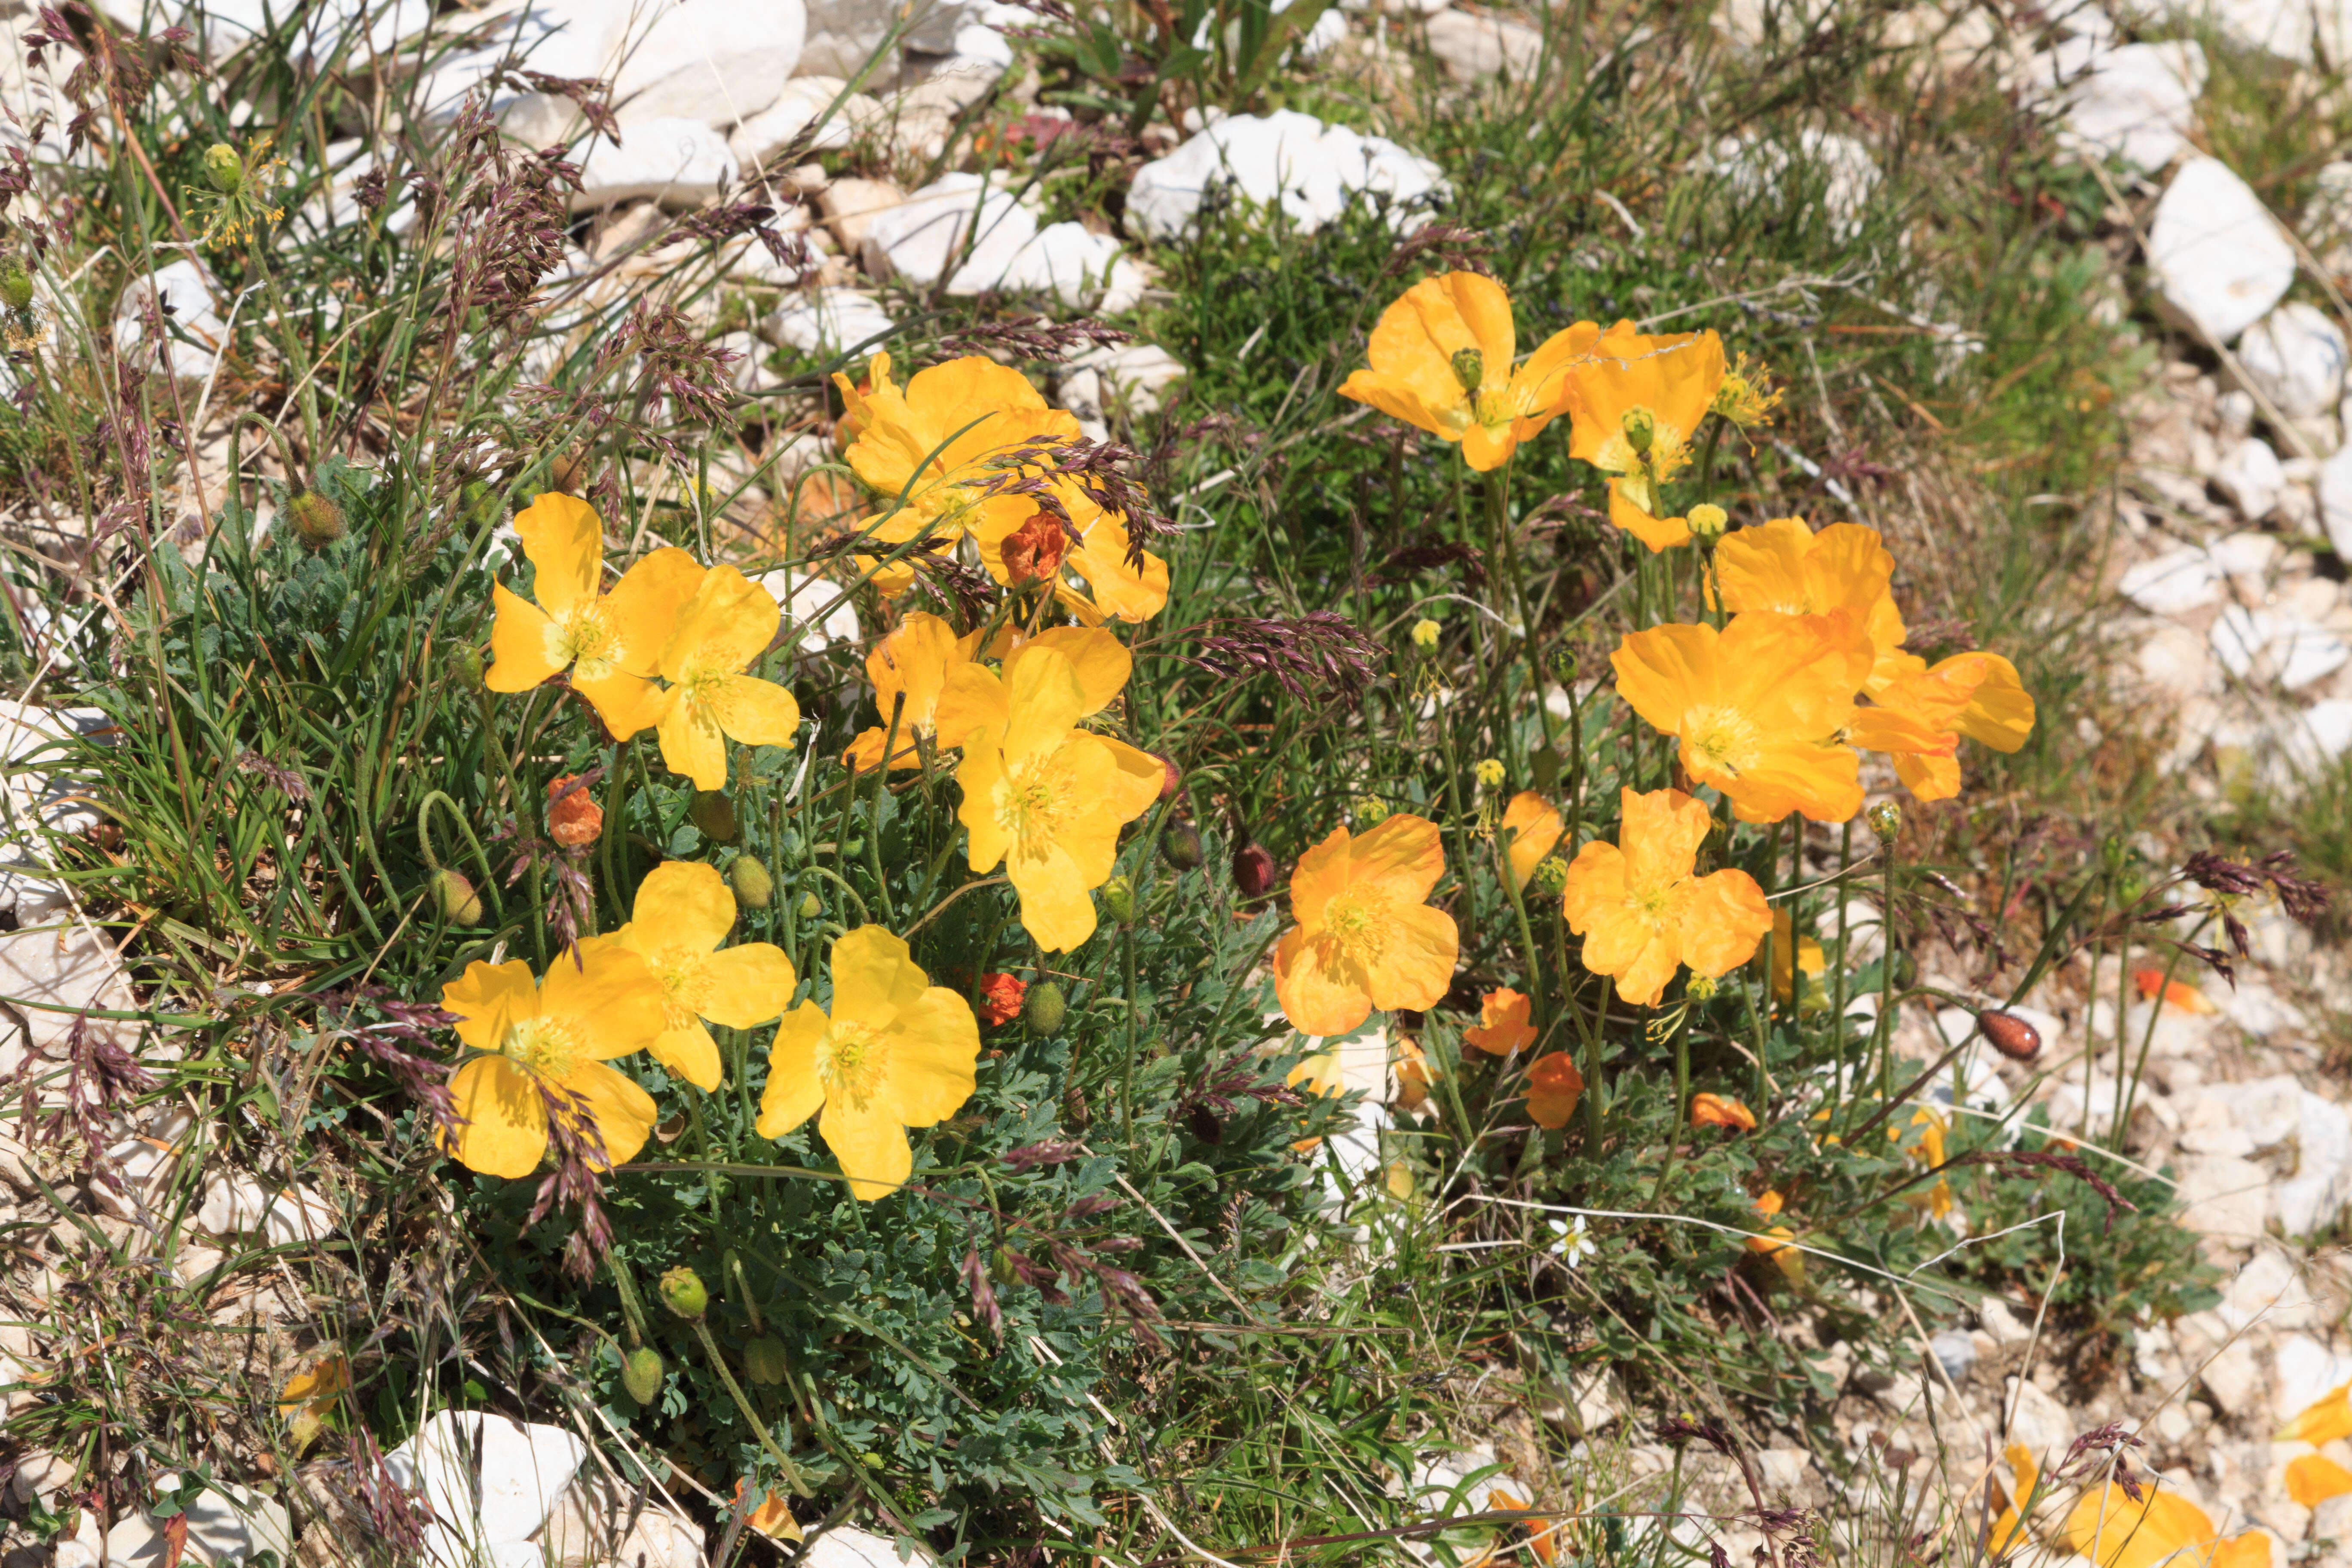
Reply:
x=2178, y=581
x=1135, y=375
x=2224, y=1196
x=2137, y=103
x=2216, y=255
x=815, y=610
x=1470, y=46
x=851, y=205
x=676, y=162
x=827, y=322
x=179, y=298
x=1310, y=169
x=1955, y=1352
x=2035, y=1419
x=846, y=1546
x=1064, y=259
x=523, y=1470
x=2250, y=476
x=959, y=221
x=1824, y=168
x=668, y=68
x=2295, y=357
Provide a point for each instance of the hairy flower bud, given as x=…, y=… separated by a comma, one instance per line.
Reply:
x=764, y=1361
x=1369, y=812
x=642, y=1372
x=2012, y=1036
x=1252, y=870
x=713, y=814
x=1708, y=521
x=15, y=285
x=1180, y=845
x=1551, y=874
x=1489, y=772
x=683, y=1293
x=1119, y=897
x=1470, y=369
x=456, y=899
x=223, y=169
x=754, y=887
x=811, y=906
x=1173, y=782
x=1045, y=1009
x=316, y=520
x=466, y=665
x=1886, y=820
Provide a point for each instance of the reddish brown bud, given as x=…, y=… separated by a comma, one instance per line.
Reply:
x=1252, y=870
x=2012, y=1036
x=575, y=819
x=1175, y=780
x=1033, y=553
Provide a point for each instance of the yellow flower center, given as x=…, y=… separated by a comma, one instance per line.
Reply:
x=1034, y=798
x=704, y=687
x=1658, y=907
x=850, y=1060
x=1355, y=922
x=544, y=1048
x=1721, y=740
x=589, y=641
x=1499, y=406
x=686, y=985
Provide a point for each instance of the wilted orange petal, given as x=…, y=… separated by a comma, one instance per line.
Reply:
x=2311, y=1480
x=2322, y=1421
x=2178, y=995
x=1718, y=1110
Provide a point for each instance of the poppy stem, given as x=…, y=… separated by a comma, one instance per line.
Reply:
x=792, y=1472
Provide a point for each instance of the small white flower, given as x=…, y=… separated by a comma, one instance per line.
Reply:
x=1571, y=1244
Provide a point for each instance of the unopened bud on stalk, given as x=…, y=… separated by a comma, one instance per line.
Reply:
x=682, y=1292
x=1252, y=870
x=1886, y=820
x=1470, y=369
x=223, y=169
x=1641, y=427
x=754, y=887
x=2012, y=1036
x=457, y=899
x=1119, y=897
x=642, y=1372
x=466, y=665
x=764, y=1361
x=1551, y=874
x=15, y=285
x=1180, y=845
x=713, y=814
x=811, y=906
x=1044, y=1011
x=316, y=520
x=1708, y=521
x=1173, y=782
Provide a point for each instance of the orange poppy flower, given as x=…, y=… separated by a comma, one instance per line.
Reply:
x=2008, y=1531
x=1660, y=533
x=1785, y=567
x=1641, y=913
x=1759, y=707
x=913, y=662
x=2178, y=994
x=1000, y=996
x=1776, y=1243
x=575, y=819
x=1444, y=360
x=2110, y=1528
x=1787, y=945
x=1637, y=401
x=1413, y=1073
x=1720, y=1110
x=2311, y=1480
x=1366, y=936
x=1534, y=827
x=1554, y=1086
x=2324, y=1420
x=1503, y=1026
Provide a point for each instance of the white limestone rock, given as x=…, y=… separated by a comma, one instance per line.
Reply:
x=2276, y=644
x=2295, y=357
x=1080, y=269
x=2178, y=581
x=2216, y=256
x=193, y=332
x=2335, y=501
x=676, y=161
x=1472, y=47
x=846, y=1546
x=1820, y=166
x=717, y=61
x=2250, y=476
x=1309, y=169
x=2138, y=102
x=815, y=610
x=524, y=1469
x=925, y=236
x=826, y=321
x=799, y=105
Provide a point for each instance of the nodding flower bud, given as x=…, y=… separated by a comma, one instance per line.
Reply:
x=457, y=899
x=1470, y=369
x=713, y=814
x=1173, y=782
x=1887, y=819
x=683, y=1293
x=223, y=169
x=811, y=906
x=1641, y=427
x=15, y=285
x=642, y=1372
x=1708, y=519
x=1119, y=897
x=1551, y=874
x=316, y=520
x=1043, y=1012
x=764, y=1361
x=1181, y=846
x=754, y=887
x=2012, y=1036
x=1252, y=870
x=466, y=666
x=1425, y=633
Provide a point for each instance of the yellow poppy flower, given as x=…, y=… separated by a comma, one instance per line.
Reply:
x=1776, y=1243
x=1040, y=796
x=1927, y=1148
x=1643, y=915
x=2113, y=1531
x=2009, y=1528
x=1366, y=936
x=1444, y=360
x=682, y=912
x=1785, y=567
x=1759, y=707
x=1636, y=402
x=598, y=1001
x=927, y=449
x=1535, y=828
x=2324, y=1420
x=1787, y=945
x=1503, y=1026
x=728, y=622
x=612, y=642
x=1660, y=533
x=894, y=1052
x=914, y=660
x=2311, y=1480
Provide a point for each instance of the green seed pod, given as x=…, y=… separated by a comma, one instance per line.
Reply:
x=714, y=815
x=1470, y=369
x=223, y=169
x=1045, y=1009
x=457, y=899
x=1119, y=897
x=764, y=1361
x=1181, y=846
x=642, y=1372
x=316, y=520
x=1641, y=427
x=15, y=285
x=754, y=889
x=682, y=1292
